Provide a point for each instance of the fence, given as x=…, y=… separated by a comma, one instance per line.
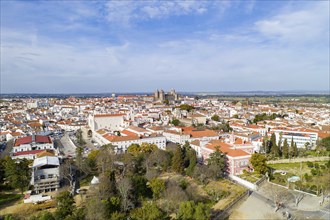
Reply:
x=311, y=194
x=262, y=180
x=226, y=210
x=243, y=182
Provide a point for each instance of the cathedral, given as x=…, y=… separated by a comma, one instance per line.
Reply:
x=162, y=96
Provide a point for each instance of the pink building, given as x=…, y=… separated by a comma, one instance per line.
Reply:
x=238, y=155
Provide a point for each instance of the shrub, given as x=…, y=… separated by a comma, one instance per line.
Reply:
x=314, y=172
x=183, y=184
x=310, y=164
x=307, y=177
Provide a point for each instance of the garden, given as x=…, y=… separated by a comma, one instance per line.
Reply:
x=311, y=177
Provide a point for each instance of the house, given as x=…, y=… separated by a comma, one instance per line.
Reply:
x=237, y=159
x=28, y=147
x=46, y=174
x=112, y=122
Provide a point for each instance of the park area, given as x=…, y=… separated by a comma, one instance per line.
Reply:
x=311, y=177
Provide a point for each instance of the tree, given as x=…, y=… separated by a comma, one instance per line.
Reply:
x=80, y=140
x=177, y=161
x=325, y=143
x=134, y=149
x=175, y=122
x=192, y=161
x=43, y=215
x=92, y=160
x=17, y=173
x=285, y=150
x=291, y=149
x=186, y=107
x=125, y=191
x=147, y=148
x=274, y=149
x=103, y=199
x=295, y=150
x=215, y=118
x=141, y=189
x=202, y=212
x=259, y=164
x=186, y=210
x=65, y=205
x=148, y=211
x=157, y=187
x=158, y=159
x=166, y=102
x=68, y=171
x=217, y=163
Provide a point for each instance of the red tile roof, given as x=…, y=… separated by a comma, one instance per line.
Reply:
x=28, y=139
x=226, y=148
x=28, y=152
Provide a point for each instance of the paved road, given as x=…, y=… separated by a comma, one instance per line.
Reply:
x=67, y=148
x=323, y=213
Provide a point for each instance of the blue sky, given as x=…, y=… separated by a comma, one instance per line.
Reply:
x=139, y=46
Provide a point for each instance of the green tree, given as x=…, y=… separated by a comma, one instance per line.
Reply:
x=295, y=150
x=134, y=149
x=65, y=205
x=157, y=187
x=148, y=211
x=17, y=173
x=148, y=148
x=217, y=162
x=274, y=148
x=259, y=164
x=325, y=143
x=202, y=212
x=175, y=122
x=141, y=189
x=80, y=141
x=166, y=102
x=91, y=160
x=118, y=216
x=215, y=118
x=186, y=210
x=285, y=149
x=291, y=149
x=192, y=162
x=43, y=215
x=186, y=107
x=177, y=161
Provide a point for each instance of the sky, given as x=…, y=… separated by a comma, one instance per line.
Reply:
x=141, y=46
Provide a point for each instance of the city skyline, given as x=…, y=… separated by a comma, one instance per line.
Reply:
x=122, y=46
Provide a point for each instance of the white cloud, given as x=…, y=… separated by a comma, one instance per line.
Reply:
x=298, y=27
x=125, y=12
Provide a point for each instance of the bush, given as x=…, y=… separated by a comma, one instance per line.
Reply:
x=183, y=184
x=310, y=164
x=314, y=172
x=316, y=165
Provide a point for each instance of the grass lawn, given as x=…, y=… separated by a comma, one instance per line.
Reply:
x=296, y=168
x=251, y=177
